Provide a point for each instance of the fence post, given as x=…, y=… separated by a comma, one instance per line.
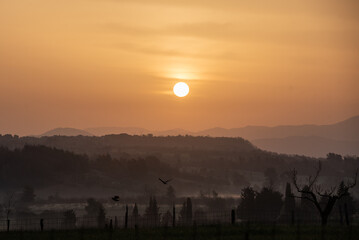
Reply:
x=111, y=225
x=42, y=224
x=219, y=231
x=273, y=230
x=292, y=217
x=298, y=229
x=246, y=234
x=340, y=214
x=346, y=214
x=174, y=216
x=233, y=217
x=116, y=222
x=110, y=230
x=194, y=230
x=126, y=217
x=8, y=225
x=136, y=232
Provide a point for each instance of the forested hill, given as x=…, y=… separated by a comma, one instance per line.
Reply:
x=190, y=151
x=186, y=152
x=130, y=163
x=134, y=145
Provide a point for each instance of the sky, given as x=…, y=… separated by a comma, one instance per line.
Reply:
x=102, y=63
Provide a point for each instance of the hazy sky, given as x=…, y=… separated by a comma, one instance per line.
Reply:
x=114, y=62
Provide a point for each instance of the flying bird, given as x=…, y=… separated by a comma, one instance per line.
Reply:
x=116, y=198
x=165, y=182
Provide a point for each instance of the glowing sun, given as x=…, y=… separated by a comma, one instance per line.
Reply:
x=181, y=89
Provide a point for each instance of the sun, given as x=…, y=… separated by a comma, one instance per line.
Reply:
x=181, y=89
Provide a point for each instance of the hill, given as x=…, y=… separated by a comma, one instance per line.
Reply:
x=66, y=132
x=309, y=146
x=310, y=140
x=102, y=131
x=344, y=130
x=347, y=130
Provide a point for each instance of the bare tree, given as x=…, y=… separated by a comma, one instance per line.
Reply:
x=312, y=192
x=9, y=204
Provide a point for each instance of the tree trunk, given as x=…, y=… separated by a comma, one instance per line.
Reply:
x=328, y=209
x=324, y=219
x=340, y=214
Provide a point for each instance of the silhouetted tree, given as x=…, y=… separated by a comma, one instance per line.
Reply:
x=246, y=208
x=135, y=215
x=95, y=209
x=307, y=209
x=185, y=214
x=288, y=208
x=345, y=205
x=152, y=212
x=101, y=218
x=312, y=191
x=167, y=218
x=182, y=213
x=268, y=204
x=289, y=201
x=334, y=157
x=9, y=204
x=189, y=211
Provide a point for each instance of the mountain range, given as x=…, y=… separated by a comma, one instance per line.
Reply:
x=309, y=140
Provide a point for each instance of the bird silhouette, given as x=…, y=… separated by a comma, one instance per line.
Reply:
x=165, y=182
x=116, y=198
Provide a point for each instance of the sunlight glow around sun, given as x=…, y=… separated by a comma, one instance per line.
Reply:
x=181, y=89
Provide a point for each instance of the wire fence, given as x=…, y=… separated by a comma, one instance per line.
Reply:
x=168, y=219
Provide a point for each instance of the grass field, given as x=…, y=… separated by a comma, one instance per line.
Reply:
x=214, y=232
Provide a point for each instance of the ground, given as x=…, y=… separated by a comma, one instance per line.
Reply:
x=278, y=232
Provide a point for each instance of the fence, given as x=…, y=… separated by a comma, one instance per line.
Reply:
x=199, y=218
x=113, y=222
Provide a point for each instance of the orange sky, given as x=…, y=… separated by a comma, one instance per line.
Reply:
x=114, y=62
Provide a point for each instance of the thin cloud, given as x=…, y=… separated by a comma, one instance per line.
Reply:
x=244, y=33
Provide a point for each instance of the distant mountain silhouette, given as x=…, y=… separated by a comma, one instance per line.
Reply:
x=345, y=130
x=102, y=131
x=311, y=140
x=66, y=132
x=308, y=146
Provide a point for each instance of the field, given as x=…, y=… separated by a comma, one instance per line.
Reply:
x=215, y=232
